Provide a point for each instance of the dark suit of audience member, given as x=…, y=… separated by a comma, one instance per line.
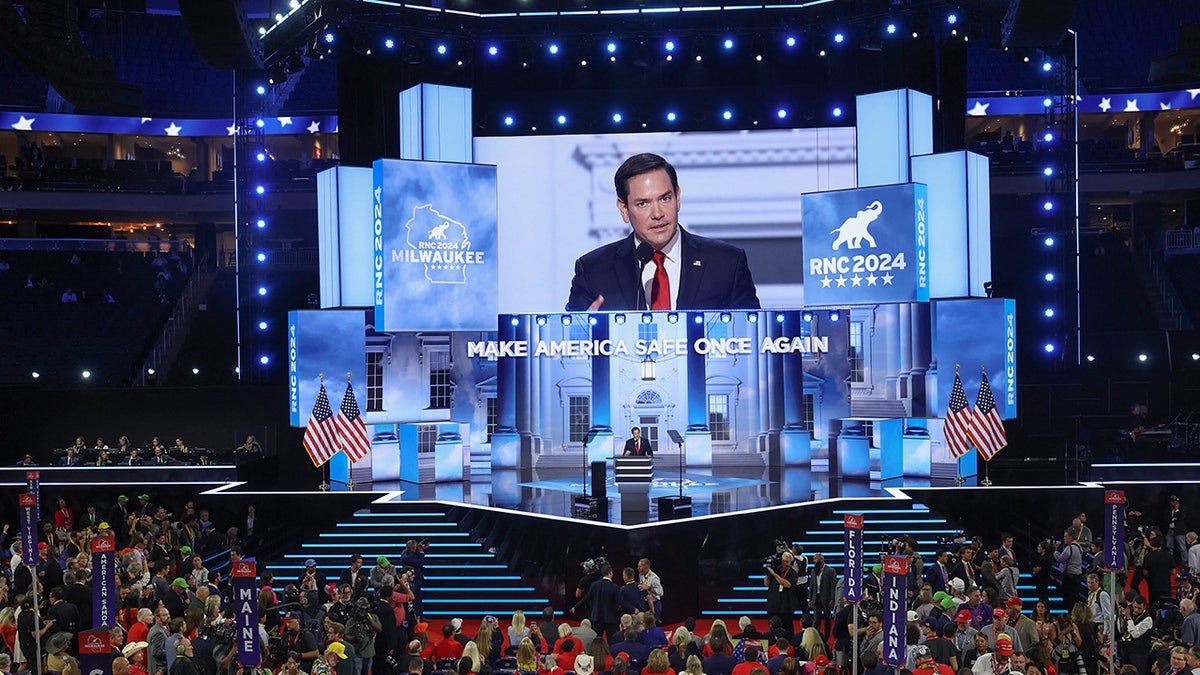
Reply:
x=79, y=595
x=631, y=644
x=604, y=597
x=719, y=664
x=633, y=600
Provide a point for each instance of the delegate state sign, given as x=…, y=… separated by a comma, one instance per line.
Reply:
x=865, y=246
x=434, y=264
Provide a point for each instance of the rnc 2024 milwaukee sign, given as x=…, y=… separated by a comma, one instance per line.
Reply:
x=434, y=265
x=866, y=246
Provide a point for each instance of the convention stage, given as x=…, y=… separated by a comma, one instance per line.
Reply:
x=736, y=483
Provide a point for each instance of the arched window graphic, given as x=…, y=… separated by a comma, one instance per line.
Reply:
x=648, y=397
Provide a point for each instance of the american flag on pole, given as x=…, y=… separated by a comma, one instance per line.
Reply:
x=319, y=438
x=986, y=427
x=959, y=421
x=351, y=430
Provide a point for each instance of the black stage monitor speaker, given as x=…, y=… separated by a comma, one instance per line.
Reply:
x=599, y=479
x=674, y=508
x=590, y=508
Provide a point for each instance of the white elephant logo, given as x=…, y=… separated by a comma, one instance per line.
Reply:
x=854, y=230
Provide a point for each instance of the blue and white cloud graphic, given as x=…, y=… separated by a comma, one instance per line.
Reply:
x=332, y=342
x=439, y=246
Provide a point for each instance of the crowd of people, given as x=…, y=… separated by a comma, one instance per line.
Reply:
x=964, y=613
x=124, y=453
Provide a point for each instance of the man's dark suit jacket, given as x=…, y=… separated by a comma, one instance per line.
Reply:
x=712, y=275
x=959, y=571
x=604, y=596
x=633, y=449
x=935, y=578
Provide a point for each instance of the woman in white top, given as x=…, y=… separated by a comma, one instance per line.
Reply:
x=517, y=630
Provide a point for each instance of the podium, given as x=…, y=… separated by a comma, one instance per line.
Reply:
x=633, y=476
x=633, y=470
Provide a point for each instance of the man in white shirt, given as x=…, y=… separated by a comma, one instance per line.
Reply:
x=997, y=662
x=1193, y=553
x=651, y=585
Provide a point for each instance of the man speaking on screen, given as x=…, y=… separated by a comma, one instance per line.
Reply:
x=659, y=266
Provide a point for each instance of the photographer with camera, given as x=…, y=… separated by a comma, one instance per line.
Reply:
x=414, y=558
x=312, y=579
x=362, y=625
x=1068, y=553
x=781, y=580
x=1133, y=631
x=300, y=640
x=389, y=636
x=591, y=574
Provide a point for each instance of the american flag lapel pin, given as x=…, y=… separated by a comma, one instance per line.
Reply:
x=695, y=263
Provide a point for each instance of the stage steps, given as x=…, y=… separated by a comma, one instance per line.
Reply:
x=885, y=519
x=462, y=577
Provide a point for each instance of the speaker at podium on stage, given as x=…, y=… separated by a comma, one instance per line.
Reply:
x=636, y=446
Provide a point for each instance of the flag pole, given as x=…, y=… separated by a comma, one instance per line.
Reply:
x=987, y=461
x=349, y=470
x=324, y=486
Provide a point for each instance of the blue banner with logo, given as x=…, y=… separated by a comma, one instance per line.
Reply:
x=435, y=247
x=33, y=485
x=895, y=609
x=104, y=582
x=245, y=611
x=1114, y=529
x=27, y=503
x=95, y=652
x=853, y=586
x=865, y=246
x=324, y=341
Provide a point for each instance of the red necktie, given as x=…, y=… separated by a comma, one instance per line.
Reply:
x=660, y=289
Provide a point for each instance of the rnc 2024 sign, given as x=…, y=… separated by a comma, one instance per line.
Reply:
x=434, y=246
x=865, y=246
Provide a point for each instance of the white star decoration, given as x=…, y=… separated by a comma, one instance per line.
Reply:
x=314, y=128
x=871, y=279
x=232, y=129
x=887, y=279
x=824, y=282
x=1105, y=103
x=147, y=119
x=284, y=121
x=979, y=109
x=856, y=280
x=173, y=130
x=1194, y=93
x=1131, y=105
x=1164, y=106
x=24, y=124
x=841, y=282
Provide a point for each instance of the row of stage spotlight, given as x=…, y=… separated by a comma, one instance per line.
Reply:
x=672, y=317
x=619, y=118
x=668, y=47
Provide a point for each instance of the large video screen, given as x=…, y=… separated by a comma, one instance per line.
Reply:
x=557, y=201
